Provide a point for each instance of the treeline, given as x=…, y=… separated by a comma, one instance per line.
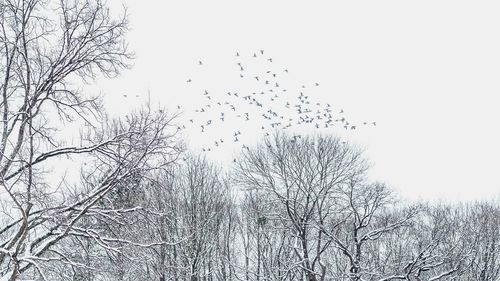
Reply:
x=290, y=209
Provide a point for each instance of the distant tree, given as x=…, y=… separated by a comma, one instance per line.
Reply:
x=304, y=177
x=267, y=246
x=189, y=204
x=482, y=232
x=369, y=215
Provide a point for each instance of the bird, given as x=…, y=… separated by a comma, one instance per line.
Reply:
x=189, y=81
x=200, y=62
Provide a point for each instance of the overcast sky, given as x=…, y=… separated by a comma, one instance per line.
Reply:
x=426, y=71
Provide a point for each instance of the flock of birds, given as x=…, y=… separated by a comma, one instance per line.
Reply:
x=274, y=106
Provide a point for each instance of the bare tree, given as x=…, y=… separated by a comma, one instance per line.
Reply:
x=125, y=149
x=44, y=56
x=482, y=231
x=364, y=221
x=303, y=176
x=267, y=246
x=191, y=205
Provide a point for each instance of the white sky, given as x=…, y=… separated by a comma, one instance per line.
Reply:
x=427, y=71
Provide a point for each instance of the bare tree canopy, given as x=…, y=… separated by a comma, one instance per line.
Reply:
x=43, y=57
